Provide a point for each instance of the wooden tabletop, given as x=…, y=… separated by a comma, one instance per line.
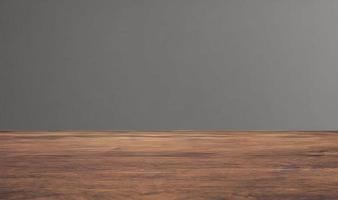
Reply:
x=169, y=165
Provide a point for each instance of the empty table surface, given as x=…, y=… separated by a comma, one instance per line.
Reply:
x=169, y=165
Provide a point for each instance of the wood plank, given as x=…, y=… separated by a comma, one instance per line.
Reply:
x=169, y=165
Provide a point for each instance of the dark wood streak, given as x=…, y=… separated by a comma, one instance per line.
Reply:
x=169, y=165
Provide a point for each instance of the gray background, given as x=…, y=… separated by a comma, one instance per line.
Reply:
x=169, y=64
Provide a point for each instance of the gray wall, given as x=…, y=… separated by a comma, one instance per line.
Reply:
x=169, y=64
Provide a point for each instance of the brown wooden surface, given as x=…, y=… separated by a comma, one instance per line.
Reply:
x=169, y=165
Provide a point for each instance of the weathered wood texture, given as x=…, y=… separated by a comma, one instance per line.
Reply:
x=169, y=165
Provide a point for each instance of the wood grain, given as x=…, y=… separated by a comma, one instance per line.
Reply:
x=169, y=165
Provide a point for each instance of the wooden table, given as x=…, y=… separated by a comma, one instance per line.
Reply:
x=169, y=165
